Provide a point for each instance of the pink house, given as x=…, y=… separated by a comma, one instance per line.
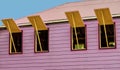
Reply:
x=73, y=36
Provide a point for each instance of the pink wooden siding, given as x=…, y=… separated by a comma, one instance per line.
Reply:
x=60, y=56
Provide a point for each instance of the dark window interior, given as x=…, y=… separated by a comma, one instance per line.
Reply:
x=80, y=31
x=110, y=36
x=43, y=34
x=17, y=37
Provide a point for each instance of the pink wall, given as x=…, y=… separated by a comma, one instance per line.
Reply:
x=60, y=56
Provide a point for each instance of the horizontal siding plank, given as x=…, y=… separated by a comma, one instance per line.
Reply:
x=59, y=28
x=70, y=65
x=51, y=55
x=69, y=60
x=64, y=64
x=67, y=52
x=59, y=38
x=52, y=35
x=60, y=31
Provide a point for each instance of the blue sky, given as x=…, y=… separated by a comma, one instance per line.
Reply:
x=19, y=8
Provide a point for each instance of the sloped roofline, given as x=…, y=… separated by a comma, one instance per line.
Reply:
x=86, y=9
x=64, y=20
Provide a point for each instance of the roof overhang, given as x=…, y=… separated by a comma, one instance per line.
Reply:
x=63, y=20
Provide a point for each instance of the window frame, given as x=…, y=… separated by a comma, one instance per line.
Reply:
x=36, y=43
x=11, y=53
x=100, y=36
x=71, y=34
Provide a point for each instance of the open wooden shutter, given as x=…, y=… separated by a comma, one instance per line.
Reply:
x=11, y=25
x=37, y=23
x=103, y=16
x=74, y=19
x=12, y=28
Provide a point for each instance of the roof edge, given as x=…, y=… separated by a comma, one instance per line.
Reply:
x=62, y=20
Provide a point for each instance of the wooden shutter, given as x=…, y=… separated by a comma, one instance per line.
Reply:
x=103, y=16
x=11, y=25
x=74, y=19
x=37, y=23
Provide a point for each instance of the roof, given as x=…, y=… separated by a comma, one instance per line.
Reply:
x=86, y=9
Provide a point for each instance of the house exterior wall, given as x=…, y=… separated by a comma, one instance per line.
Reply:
x=60, y=56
